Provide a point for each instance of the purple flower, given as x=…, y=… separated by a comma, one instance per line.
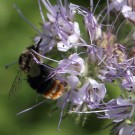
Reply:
x=92, y=26
x=120, y=109
x=129, y=82
x=73, y=81
x=89, y=65
x=124, y=128
x=128, y=13
x=97, y=92
x=92, y=58
x=127, y=129
x=90, y=94
x=127, y=7
x=95, y=54
x=59, y=28
x=73, y=65
x=118, y=4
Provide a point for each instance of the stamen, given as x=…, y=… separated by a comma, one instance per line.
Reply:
x=120, y=27
x=26, y=110
x=88, y=112
x=21, y=14
x=113, y=23
x=91, y=5
x=48, y=6
x=41, y=12
x=44, y=56
x=96, y=6
x=62, y=110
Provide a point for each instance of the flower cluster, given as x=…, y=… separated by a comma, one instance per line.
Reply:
x=93, y=55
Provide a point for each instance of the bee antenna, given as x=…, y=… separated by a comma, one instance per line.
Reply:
x=10, y=64
x=28, y=109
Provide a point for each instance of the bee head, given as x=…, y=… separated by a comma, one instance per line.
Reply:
x=28, y=60
x=25, y=61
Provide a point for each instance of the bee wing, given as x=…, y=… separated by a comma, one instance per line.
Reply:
x=16, y=84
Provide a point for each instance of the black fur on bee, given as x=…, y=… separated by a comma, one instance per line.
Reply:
x=37, y=74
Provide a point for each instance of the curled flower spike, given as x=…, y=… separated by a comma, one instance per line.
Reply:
x=88, y=56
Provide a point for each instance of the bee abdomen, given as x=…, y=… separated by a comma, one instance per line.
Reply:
x=56, y=90
x=51, y=88
x=40, y=84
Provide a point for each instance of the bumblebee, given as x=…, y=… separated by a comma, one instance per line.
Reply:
x=37, y=74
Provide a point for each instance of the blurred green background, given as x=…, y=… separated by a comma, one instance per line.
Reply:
x=15, y=36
